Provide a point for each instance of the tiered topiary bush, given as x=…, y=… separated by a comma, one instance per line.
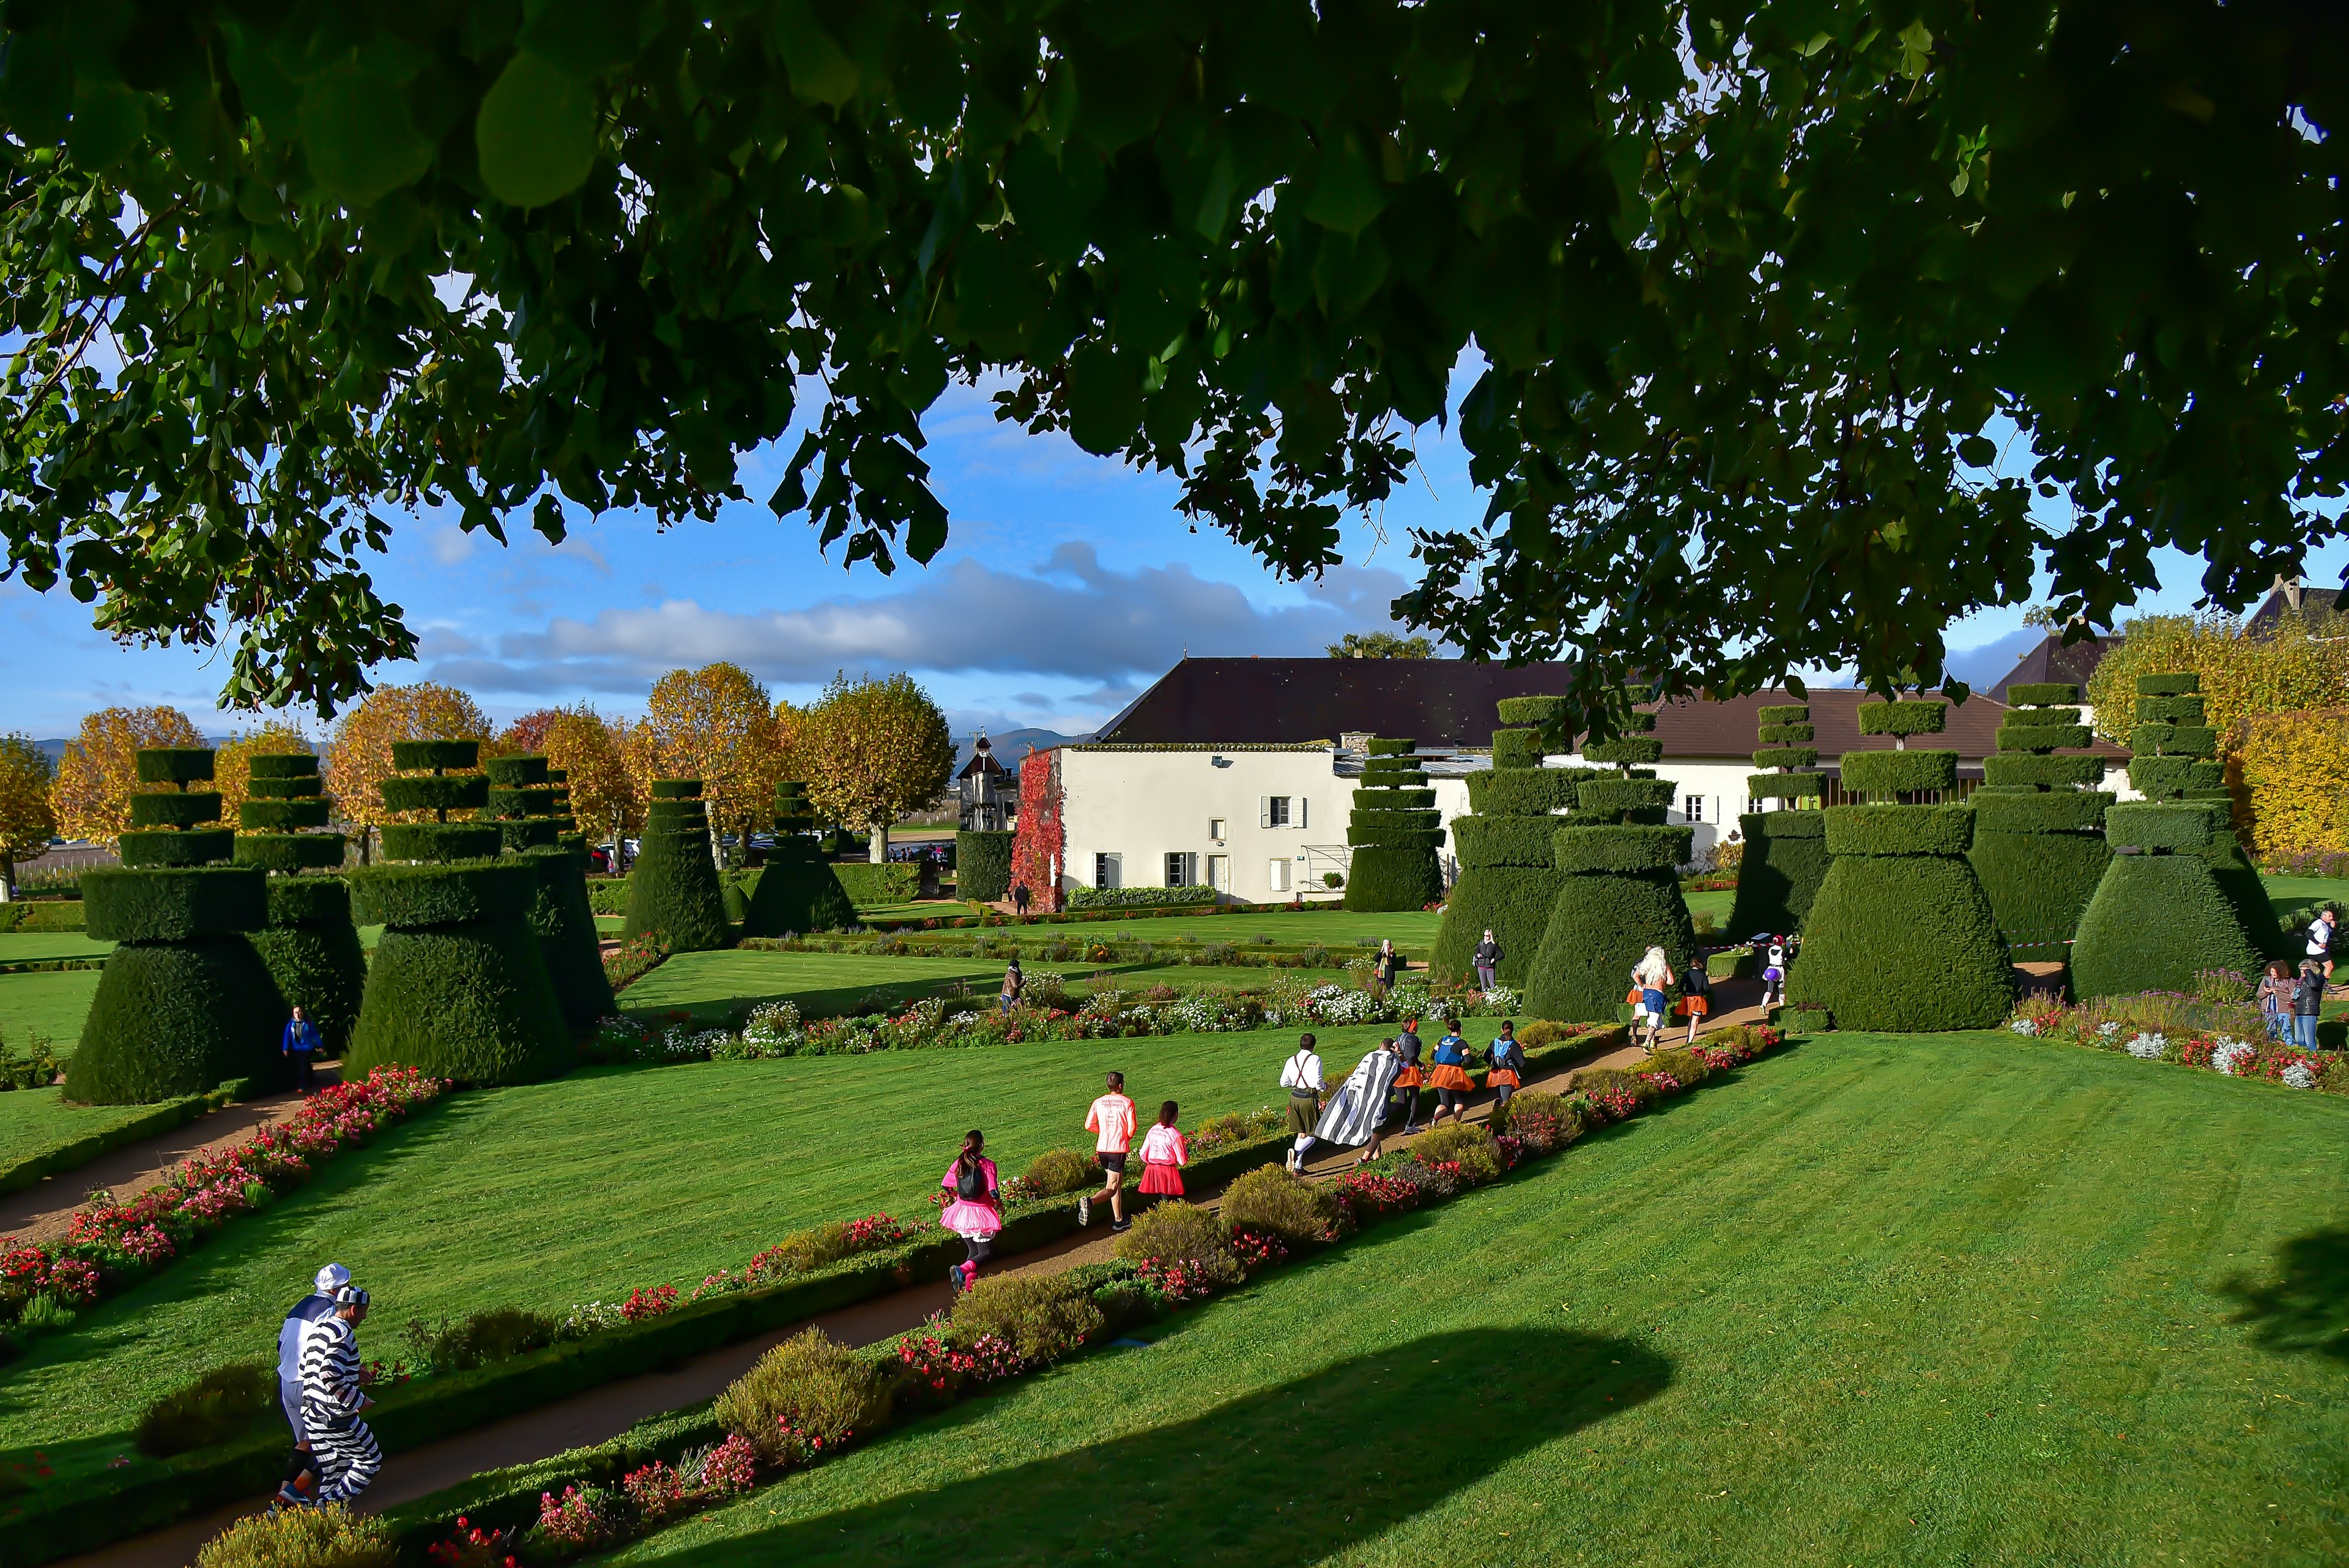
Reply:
x=1901, y=936
x=673, y=887
x=2039, y=843
x=1395, y=832
x=2163, y=908
x=458, y=987
x=184, y=1003
x=1785, y=856
x=983, y=865
x=798, y=891
x=311, y=945
x=1508, y=875
x=1619, y=890
x=529, y=806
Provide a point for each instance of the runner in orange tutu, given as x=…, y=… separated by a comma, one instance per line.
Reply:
x=1448, y=1077
x=1164, y=1154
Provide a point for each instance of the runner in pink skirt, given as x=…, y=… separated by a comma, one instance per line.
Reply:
x=974, y=1210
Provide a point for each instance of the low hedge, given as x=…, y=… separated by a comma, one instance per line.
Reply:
x=34, y=1169
x=2157, y=826
x=289, y=852
x=1503, y=840
x=2154, y=922
x=167, y=848
x=42, y=915
x=175, y=810
x=440, y=842
x=436, y=792
x=1132, y=898
x=417, y=897
x=1888, y=773
x=1518, y=749
x=1902, y=942
x=2068, y=810
x=173, y=1019
x=170, y=904
x=2006, y=769
x=1626, y=848
x=866, y=884
x=1895, y=830
x=1525, y=791
x=1786, y=860
x=982, y=865
x=2043, y=694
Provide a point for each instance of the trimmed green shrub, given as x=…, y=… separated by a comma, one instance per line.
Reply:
x=1525, y=791
x=178, y=1018
x=311, y=948
x=673, y=887
x=1886, y=775
x=2010, y=770
x=807, y=1393
x=470, y=1002
x=1786, y=860
x=1599, y=927
x=1395, y=830
x=2177, y=683
x=162, y=847
x=1886, y=830
x=440, y=842
x=1626, y=751
x=2154, y=921
x=1805, y=1020
x=1172, y=1231
x=2041, y=694
x=2069, y=811
x=1517, y=749
x=2045, y=736
x=567, y=938
x=435, y=756
x=272, y=765
x=460, y=893
x=174, y=810
x=983, y=865
x=1903, y=943
x=282, y=816
x=438, y=792
x=1786, y=757
x=1537, y=710
x=1576, y=850
x=798, y=892
x=181, y=765
x=1625, y=797
x=1390, y=747
x=2157, y=826
x=1471, y=1145
x=1481, y=841
x=179, y=904
x=1923, y=716
x=224, y=1403
x=328, y=1537
x=526, y=770
x=869, y=886
x=1059, y=1171
x=1042, y=1316
x=2038, y=883
x=1513, y=902
x=1276, y=1202
x=1786, y=786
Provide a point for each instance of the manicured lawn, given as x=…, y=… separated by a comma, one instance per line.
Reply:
x=1717, y=904
x=2292, y=891
x=53, y=1003
x=722, y=985
x=577, y=1190
x=1953, y=1300
x=1334, y=929
x=35, y=1120
x=28, y=947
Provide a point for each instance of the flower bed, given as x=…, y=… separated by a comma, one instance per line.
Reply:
x=634, y=959
x=112, y=1244
x=2224, y=1037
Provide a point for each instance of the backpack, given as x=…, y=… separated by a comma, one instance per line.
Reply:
x=970, y=1182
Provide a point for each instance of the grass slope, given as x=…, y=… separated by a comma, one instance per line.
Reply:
x=34, y=1121
x=1946, y=1299
x=53, y=1003
x=26, y=946
x=554, y=1194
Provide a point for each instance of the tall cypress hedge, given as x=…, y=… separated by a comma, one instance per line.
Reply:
x=1394, y=831
x=184, y=1001
x=1619, y=891
x=458, y=987
x=673, y=887
x=2039, y=843
x=798, y=891
x=530, y=807
x=2164, y=909
x=1786, y=855
x=982, y=864
x=1508, y=876
x=1901, y=936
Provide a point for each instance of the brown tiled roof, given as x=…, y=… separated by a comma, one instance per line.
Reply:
x=2052, y=660
x=1700, y=727
x=2275, y=606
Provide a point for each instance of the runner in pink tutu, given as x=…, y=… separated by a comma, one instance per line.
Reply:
x=974, y=1210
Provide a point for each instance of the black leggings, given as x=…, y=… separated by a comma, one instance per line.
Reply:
x=978, y=1249
x=1452, y=1099
x=1408, y=1100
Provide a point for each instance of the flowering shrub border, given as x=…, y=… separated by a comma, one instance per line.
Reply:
x=2220, y=1037
x=113, y=1245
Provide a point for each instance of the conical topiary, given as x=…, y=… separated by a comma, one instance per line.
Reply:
x=1786, y=855
x=2162, y=911
x=184, y=1003
x=1393, y=832
x=2039, y=843
x=673, y=886
x=1900, y=937
x=1619, y=891
x=798, y=890
x=530, y=808
x=1508, y=875
x=458, y=988
x=311, y=945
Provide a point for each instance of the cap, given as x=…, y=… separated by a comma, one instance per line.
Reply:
x=332, y=1278
x=350, y=1295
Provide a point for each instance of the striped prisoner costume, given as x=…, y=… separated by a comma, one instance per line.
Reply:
x=346, y=1449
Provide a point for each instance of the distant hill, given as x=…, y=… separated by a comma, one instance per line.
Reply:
x=57, y=749
x=1011, y=745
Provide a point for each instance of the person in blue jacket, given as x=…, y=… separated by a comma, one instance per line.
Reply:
x=300, y=1486
x=299, y=1044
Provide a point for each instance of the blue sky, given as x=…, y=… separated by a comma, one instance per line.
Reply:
x=1068, y=584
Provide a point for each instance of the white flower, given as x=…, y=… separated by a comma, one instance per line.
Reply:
x=2230, y=1057
x=1502, y=1000
x=2024, y=1026
x=2106, y=1028
x=2148, y=1047
x=2299, y=1076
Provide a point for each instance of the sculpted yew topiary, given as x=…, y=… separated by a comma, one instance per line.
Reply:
x=1395, y=830
x=1509, y=879
x=1786, y=855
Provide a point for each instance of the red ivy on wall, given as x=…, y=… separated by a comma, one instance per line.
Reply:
x=1038, y=843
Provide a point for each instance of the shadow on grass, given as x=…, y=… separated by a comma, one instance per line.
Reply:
x=2305, y=1308
x=1294, y=1474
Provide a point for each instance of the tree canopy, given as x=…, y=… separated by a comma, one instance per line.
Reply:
x=1745, y=291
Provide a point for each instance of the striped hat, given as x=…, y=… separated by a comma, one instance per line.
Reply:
x=350, y=1295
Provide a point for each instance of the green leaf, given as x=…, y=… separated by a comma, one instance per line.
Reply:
x=107, y=122
x=362, y=141
x=1978, y=452
x=536, y=133
x=1346, y=191
x=35, y=89
x=587, y=38
x=820, y=69
x=1104, y=399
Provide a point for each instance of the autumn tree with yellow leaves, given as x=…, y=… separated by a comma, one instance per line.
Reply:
x=99, y=770
x=28, y=819
x=359, y=758
x=716, y=724
x=874, y=750
x=605, y=797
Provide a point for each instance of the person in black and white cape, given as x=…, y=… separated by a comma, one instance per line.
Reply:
x=331, y=1399
x=1301, y=1077
x=1354, y=1112
x=301, y=1468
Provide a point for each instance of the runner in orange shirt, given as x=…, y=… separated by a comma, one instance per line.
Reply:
x=1111, y=1121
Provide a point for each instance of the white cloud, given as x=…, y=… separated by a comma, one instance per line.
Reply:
x=452, y=545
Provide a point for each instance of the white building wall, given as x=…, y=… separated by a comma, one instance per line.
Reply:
x=1711, y=798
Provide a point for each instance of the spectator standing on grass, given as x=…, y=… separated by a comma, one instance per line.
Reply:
x=975, y=1209
x=1111, y=1121
x=301, y=1481
x=298, y=1045
x=331, y=1400
x=2307, y=1004
x=1506, y=1076
x=1696, y=995
x=1408, y=1076
x=2320, y=941
x=2275, y=999
x=1163, y=1155
x=1385, y=966
x=1014, y=985
x=1301, y=1077
x=1487, y=961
